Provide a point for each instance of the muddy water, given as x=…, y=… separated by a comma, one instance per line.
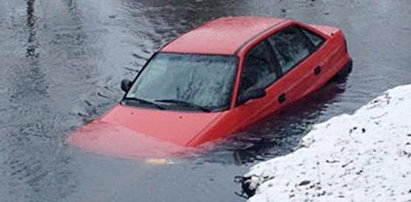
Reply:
x=61, y=63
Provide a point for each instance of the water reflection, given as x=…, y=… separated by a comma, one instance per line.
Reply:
x=31, y=24
x=164, y=20
x=32, y=155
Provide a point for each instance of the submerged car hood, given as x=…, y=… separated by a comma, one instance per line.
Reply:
x=132, y=131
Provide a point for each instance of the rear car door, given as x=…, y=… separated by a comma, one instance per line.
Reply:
x=299, y=62
x=285, y=64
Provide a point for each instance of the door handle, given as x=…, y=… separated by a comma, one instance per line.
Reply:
x=282, y=98
x=317, y=70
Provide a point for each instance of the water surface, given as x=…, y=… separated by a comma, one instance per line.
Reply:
x=62, y=62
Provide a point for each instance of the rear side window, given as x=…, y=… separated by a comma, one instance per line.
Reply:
x=290, y=46
x=315, y=39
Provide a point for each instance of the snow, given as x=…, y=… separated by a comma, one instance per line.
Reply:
x=361, y=157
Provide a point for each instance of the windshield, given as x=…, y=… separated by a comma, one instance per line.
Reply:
x=186, y=81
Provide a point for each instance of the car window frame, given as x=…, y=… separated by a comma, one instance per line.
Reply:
x=307, y=40
x=314, y=48
x=275, y=66
x=233, y=82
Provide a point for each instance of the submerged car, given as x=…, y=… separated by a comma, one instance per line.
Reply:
x=216, y=79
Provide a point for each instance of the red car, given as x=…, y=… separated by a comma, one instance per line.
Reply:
x=215, y=80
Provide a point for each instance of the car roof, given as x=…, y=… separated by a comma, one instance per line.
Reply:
x=221, y=36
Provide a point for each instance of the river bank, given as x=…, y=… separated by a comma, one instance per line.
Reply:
x=365, y=156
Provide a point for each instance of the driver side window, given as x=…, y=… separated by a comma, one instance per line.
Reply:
x=258, y=70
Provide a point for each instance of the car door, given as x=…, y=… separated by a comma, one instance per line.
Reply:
x=319, y=57
x=260, y=70
x=299, y=65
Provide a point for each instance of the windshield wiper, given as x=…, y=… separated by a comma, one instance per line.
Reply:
x=144, y=101
x=184, y=103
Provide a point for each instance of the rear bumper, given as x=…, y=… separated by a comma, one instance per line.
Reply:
x=347, y=68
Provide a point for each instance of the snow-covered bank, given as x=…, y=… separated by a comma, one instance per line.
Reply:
x=361, y=157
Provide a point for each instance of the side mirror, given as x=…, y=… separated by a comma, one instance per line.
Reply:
x=253, y=94
x=126, y=85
